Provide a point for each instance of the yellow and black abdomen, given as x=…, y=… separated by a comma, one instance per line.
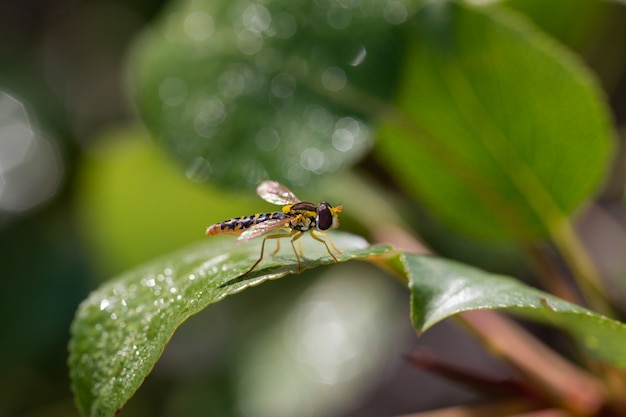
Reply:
x=238, y=225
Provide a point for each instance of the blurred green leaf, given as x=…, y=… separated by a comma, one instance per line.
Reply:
x=328, y=349
x=239, y=91
x=575, y=24
x=501, y=131
x=442, y=288
x=120, y=331
x=134, y=204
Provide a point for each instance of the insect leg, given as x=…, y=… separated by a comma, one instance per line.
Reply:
x=300, y=247
x=298, y=235
x=327, y=236
x=277, y=236
x=315, y=235
x=277, y=247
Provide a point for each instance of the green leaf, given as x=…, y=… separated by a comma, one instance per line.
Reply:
x=238, y=91
x=501, y=132
x=576, y=24
x=121, y=329
x=121, y=225
x=442, y=288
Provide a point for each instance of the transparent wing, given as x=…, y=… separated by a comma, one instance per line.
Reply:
x=263, y=228
x=276, y=193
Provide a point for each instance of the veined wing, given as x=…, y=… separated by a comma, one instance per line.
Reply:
x=276, y=193
x=263, y=228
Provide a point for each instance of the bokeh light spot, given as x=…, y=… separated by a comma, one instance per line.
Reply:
x=283, y=85
x=30, y=165
x=267, y=139
x=338, y=17
x=395, y=12
x=321, y=120
x=231, y=84
x=199, y=26
x=334, y=79
x=285, y=25
x=249, y=42
x=199, y=170
x=256, y=18
x=173, y=91
x=312, y=159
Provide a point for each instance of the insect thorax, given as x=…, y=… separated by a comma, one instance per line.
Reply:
x=303, y=223
x=306, y=214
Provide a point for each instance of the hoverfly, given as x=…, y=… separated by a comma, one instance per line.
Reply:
x=295, y=218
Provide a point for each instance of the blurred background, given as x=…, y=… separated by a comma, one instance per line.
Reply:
x=85, y=194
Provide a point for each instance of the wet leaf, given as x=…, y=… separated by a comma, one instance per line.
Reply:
x=121, y=329
x=441, y=288
x=239, y=91
x=503, y=132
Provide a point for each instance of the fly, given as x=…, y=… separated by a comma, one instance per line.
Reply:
x=295, y=218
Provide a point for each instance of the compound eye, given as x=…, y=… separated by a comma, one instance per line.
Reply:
x=324, y=216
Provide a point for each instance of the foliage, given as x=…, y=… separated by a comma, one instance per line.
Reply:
x=124, y=326
x=474, y=114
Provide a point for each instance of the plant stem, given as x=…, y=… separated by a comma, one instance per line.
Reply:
x=562, y=383
x=583, y=270
x=492, y=409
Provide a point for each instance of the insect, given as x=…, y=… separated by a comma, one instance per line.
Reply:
x=295, y=218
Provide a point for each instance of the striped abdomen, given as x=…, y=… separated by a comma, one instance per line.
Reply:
x=238, y=225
